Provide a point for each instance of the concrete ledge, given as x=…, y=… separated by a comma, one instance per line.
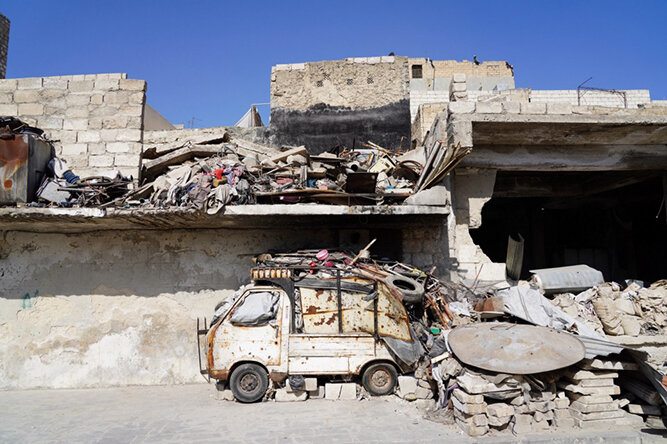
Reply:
x=70, y=220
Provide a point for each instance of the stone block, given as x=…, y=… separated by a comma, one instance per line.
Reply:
x=593, y=382
x=457, y=87
x=343, y=391
x=519, y=400
x=282, y=395
x=8, y=84
x=373, y=60
x=559, y=108
x=511, y=107
x=472, y=430
x=541, y=406
x=88, y=136
x=470, y=409
x=30, y=83
x=423, y=393
x=96, y=99
x=6, y=97
x=55, y=83
x=562, y=403
x=77, y=99
x=97, y=148
x=30, y=109
x=522, y=424
x=476, y=420
x=575, y=388
x=129, y=135
x=132, y=84
x=136, y=98
x=224, y=395
x=115, y=122
x=64, y=136
x=101, y=161
x=591, y=399
x=542, y=416
x=53, y=94
x=533, y=108
x=499, y=409
x=95, y=123
x=26, y=96
x=489, y=107
x=605, y=364
x=116, y=97
x=131, y=110
x=458, y=77
x=597, y=415
x=461, y=107
x=310, y=384
x=75, y=124
x=74, y=149
x=562, y=413
x=126, y=160
x=50, y=123
x=80, y=111
x=407, y=384
x=564, y=423
x=103, y=84
x=318, y=393
x=80, y=85
x=388, y=59
x=464, y=397
x=499, y=421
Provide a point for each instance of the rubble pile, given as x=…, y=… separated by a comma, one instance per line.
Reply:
x=608, y=309
x=207, y=172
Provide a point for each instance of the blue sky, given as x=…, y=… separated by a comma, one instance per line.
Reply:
x=212, y=59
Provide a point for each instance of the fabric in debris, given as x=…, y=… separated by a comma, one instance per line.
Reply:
x=258, y=308
x=407, y=352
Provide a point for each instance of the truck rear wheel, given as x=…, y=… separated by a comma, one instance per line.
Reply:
x=380, y=379
x=249, y=382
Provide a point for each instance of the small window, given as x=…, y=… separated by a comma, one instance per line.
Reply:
x=416, y=71
x=369, y=80
x=349, y=81
x=319, y=83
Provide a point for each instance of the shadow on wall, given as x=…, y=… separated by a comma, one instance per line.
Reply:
x=149, y=263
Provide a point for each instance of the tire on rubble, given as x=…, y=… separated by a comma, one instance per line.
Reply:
x=249, y=382
x=380, y=379
x=413, y=291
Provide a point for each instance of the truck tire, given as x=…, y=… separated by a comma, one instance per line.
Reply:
x=249, y=382
x=413, y=291
x=380, y=379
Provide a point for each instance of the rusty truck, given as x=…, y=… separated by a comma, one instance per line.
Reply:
x=334, y=323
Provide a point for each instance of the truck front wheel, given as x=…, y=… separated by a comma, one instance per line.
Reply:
x=249, y=382
x=380, y=379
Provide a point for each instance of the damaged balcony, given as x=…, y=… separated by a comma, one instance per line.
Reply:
x=71, y=220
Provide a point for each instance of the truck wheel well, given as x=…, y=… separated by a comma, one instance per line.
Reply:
x=236, y=364
x=379, y=361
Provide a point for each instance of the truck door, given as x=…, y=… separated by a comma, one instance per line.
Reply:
x=255, y=330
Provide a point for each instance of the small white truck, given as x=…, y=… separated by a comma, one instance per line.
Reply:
x=334, y=324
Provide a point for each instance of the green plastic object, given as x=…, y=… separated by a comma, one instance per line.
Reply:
x=435, y=330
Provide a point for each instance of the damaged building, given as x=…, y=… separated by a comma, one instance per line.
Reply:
x=101, y=295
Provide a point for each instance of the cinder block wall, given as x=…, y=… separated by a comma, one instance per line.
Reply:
x=635, y=97
x=96, y=120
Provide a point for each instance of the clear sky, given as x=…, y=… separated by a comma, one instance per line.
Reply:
x=212, y=59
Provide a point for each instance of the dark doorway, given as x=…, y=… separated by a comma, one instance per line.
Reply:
x=603, y=219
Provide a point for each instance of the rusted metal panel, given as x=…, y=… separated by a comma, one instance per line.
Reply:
x=514, y=348
x=266, y=344
x=572, y=278
x=320, y=313
x=23, y=161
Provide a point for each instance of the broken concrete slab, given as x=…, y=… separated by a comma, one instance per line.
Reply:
x=470, y=409
x=407, y=385
x=468, y=398
x=472, y=430
x=282, y=395
x=499, y=409
x=590, y=408
x=436, y=195
x=604, y=364
x=479, y=420
x=612, y=390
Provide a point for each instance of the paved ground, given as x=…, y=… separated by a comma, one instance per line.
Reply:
x=192, y=414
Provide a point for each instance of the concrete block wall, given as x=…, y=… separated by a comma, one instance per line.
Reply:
x=424, y=119
x=418, y=98
x=592, y=98
x=95, y=120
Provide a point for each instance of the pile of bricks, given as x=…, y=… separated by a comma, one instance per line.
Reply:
x=590, y=386
x=481, y=405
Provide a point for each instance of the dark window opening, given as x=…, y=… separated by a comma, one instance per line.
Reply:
x=606, y=220
x=416, y=71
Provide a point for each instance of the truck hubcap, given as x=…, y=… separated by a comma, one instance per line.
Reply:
x=380, y=378
x=249, y=382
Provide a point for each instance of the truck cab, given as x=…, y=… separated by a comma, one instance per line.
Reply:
x=338, y=324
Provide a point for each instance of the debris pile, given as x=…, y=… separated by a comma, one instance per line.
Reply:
x=207, y=172
x=607, y=308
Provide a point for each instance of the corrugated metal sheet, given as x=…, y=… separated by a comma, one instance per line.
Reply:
x=599, y=347
x=566, y=279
